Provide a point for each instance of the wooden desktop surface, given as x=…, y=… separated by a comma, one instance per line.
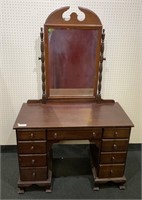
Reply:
x=61, y=115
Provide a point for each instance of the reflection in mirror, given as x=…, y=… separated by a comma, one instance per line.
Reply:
x=72, y=61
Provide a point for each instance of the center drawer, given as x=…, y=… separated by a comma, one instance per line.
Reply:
x=74, y=134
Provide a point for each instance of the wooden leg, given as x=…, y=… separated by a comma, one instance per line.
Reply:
x=21, y=190
x=96, y=187
x=121, y=186
x=48, y=190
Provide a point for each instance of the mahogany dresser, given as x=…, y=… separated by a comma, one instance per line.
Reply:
x=38, y=126
x=71, y=107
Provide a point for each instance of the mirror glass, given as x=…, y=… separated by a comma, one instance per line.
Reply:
x=72, y=61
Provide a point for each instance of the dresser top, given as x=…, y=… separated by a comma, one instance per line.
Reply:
x=55, y=115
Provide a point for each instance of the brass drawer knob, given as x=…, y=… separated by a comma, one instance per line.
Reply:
x=33, y=161
x=116, y=133
x=32, y=135
x=55, y=135
x=94, y=134
x=34, y=174
x=114, y=146
x=113, y=158
x=32, y=148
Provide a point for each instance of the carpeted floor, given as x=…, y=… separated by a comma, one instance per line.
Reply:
x=72, y=178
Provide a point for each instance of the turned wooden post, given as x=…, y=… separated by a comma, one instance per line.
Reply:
x=42, y=66
x=101, y=67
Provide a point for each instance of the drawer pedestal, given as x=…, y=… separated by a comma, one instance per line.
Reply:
x=34, y=164
x=111, y=157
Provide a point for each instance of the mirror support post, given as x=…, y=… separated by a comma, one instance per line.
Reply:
x=101, y=67
x=42, y=66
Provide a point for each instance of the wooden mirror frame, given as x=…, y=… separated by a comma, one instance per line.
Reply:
x=91, y=22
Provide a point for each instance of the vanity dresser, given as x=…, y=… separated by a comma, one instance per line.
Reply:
x=71, y=107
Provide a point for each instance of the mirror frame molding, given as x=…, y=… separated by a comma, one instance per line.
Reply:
x=91, y=22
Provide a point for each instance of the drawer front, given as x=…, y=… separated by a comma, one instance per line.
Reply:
x=91, y=134
x=31, y=135
x=112, y=157
x=31, y=147
x=116, y=133
x=33, y=174
x=32, y=160
x=114, y=145
x=111, y=171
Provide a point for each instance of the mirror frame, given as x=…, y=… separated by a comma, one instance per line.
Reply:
x=55, y=20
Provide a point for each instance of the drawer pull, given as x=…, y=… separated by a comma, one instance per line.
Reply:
x=116, y=133
x=55, y=135
x=111, y=171
x=32, y=148
x=32, y=135
x=113, y=158
x=33, y=161
x=94, y=134
x=34, y=174
x=114, y=146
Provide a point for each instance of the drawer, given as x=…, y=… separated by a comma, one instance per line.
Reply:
x=31, y=135
x=116, y=133
x=32, y=147
x=33, y=174
x=111, y=171
x=32, y=160
x=114, y=145
x=76, y=134
x=112, y=157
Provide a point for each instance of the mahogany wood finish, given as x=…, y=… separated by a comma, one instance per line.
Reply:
x=82, y=115
x=112, y=157
x=86, y=133
x=42, y=67
x=116, y=133
x=101, y=67
x=52, y=122
x=36, y=160
x=114, y=145
x=31, y=135
x=91, y=24
x=32, y=147
x=33, y=174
